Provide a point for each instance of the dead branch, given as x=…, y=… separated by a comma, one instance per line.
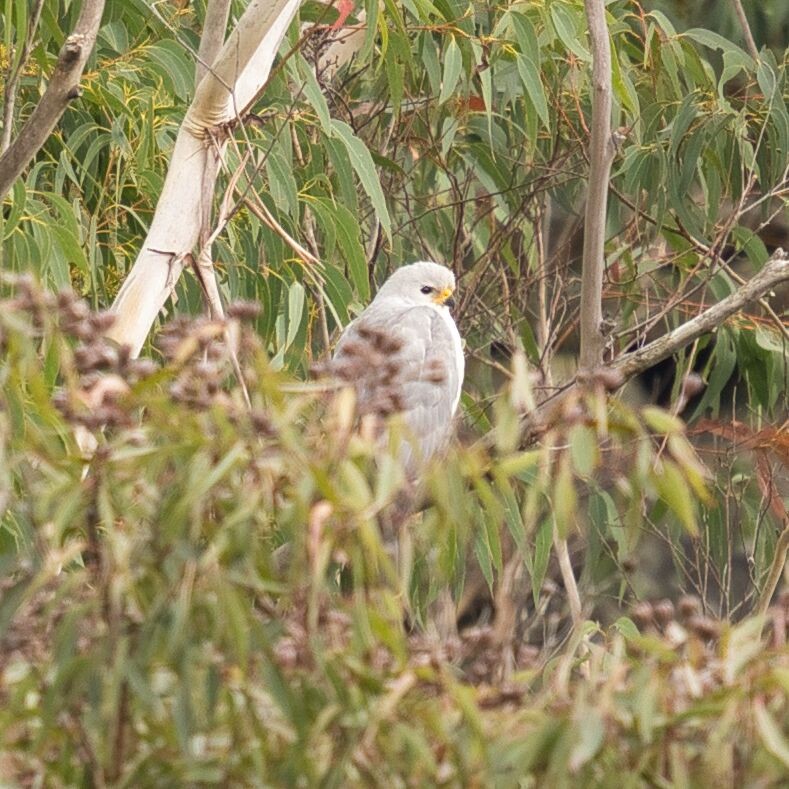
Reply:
x=617, y=373
x=62, y=89
x=775, y=271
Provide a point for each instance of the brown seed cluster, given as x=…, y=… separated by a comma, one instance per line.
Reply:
x=664, y=617
x=29, y=298
x=243, y=310
x=476, y=652
x=197, y=348
x=372, y=363
x=105, y=372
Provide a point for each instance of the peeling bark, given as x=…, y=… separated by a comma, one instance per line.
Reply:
x=237, y=75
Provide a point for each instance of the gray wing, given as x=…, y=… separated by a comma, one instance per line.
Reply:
x=406, y=357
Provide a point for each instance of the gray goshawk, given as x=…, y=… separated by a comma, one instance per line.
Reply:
x=403, y=354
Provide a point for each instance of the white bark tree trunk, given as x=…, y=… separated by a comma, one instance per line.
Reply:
x=233, y=82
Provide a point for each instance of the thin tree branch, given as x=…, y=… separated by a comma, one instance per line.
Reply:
x=62, y=89
x=568, y=578
x=763, y=303
x=14, y=73
x=775, y=271
x=776, y=571
x=213, y=36
x=600, y=158
x=746, y=29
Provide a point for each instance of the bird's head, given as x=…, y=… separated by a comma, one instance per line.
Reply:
x=421, y=283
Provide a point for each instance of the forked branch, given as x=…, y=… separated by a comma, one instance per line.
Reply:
x=238, y=72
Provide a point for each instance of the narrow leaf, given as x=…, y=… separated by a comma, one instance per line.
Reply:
x=771, y=734
x=453, y=63
x=362, y=163
x=530, y=76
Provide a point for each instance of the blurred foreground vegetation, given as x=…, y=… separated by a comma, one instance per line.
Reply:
x=155, y=633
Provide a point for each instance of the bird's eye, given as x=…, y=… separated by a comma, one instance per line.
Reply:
x=426, y=289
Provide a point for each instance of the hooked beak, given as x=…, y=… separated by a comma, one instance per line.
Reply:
x=445, y=298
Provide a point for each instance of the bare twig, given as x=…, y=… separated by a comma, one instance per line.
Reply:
x=776, y=570
x=258, y=208
x=746, y=29
x=542, y=226
x=568, y=578
x=62, y=89
x=600, y=158
x=14, y=73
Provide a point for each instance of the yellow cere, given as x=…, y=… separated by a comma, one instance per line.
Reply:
x=440, y=298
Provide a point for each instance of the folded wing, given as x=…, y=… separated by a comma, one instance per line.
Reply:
x=405, y=359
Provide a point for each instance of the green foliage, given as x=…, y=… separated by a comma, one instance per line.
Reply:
x=212, y=597
x=768, y=19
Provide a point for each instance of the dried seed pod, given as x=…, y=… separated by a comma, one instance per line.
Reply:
x=64, y=299
x=664, y=612
x=81, y=330
x=124, y=355
x=87, y=358
x=643, y=614
x=142, y=368
x=108, y=355
x=77, y=310
x=206, y=370
x=704, y=627
x=168, y=345
x=688, y=605
x=101, y=321
x=62, y=402
x=178, y=392
x=261, y=422
x=214, y=351
x=243, y=309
